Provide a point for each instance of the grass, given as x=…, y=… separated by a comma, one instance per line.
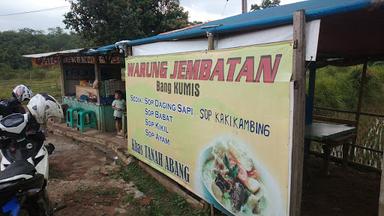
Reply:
x=162, y=202
x=128, y=199
x=42, y=81
x=338, y=88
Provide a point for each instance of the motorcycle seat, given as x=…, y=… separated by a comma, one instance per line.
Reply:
x=16, y=171
x=13, y=120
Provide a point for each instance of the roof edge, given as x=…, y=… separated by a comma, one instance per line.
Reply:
x=254, y=24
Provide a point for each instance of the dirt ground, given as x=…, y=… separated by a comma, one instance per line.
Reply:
x=83, y=182
x=346, y=191
x=86, y=181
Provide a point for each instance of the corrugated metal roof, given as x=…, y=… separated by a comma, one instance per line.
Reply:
x=39, y=55
x=103, y=50
x=282, y=15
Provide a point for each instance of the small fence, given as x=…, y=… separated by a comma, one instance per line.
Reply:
x=368, y=148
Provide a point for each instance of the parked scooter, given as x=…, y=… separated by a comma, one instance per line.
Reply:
x=23, y=190
x=24, y=165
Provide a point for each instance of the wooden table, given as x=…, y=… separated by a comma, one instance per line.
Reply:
x=331, y=135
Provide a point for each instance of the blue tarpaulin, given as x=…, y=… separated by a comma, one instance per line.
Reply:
x=102, y=50
x=260, y=19
x=282, y=15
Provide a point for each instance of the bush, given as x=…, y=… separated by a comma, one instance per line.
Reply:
x=38, y=74
x=7, y=75
x=338, y=87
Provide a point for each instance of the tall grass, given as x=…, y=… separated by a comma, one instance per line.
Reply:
x=338, y=88
x=40, y=80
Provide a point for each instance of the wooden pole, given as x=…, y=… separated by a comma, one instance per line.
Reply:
x=381, y=198
x=361, y=92
x=97, y=76
x=298, y=112
x=211, y=46
x=62, y=76
x=128, y=51
x=101, y=120
x=212, y=210
x=358, y=109
x=311, y=88
x=211, y=41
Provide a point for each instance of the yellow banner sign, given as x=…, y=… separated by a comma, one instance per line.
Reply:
x=217, y=122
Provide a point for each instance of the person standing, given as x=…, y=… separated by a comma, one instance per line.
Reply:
x=119, y=106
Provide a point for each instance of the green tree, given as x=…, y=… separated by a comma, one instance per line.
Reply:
x=14, y=44
x=58, y=39
x=103, y=22
x=265, y=4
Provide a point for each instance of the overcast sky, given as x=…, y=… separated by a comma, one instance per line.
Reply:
x=199, y=10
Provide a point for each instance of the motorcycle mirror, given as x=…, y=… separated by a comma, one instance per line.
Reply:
x=50, y=148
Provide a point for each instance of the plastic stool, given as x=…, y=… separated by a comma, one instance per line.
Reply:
x=70, y=114
x=86, y=119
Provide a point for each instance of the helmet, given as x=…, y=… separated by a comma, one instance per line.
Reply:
x=22, y=92
x=44, y=106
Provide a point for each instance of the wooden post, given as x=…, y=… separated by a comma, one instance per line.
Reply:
x=311, y=88
x=212, y=209
x=361, y=92
x=298, y=112
x=211, y=41
x=211, y=46
x=97, y=76
x=128, y=51
x=381, y=198
x=101, y=117
x=358, y=109
x=62, y=76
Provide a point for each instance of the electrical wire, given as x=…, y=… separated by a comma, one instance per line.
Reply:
x=225, y=7
x=33, y=11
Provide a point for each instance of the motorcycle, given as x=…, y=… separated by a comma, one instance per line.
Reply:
x=10, y=106
x=24, y=167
